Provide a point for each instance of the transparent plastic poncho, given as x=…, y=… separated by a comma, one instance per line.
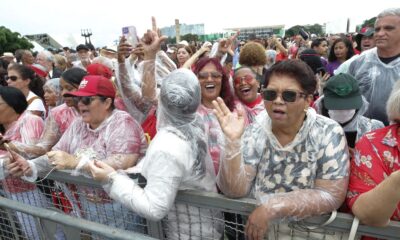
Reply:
x=138, y=86
x=56, y=124
x=306, y=177
x=376, y=80
x=177, y=159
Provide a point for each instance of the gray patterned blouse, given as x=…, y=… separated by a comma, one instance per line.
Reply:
x=319, y=151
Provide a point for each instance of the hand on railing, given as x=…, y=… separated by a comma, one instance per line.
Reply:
x=62, y=160
x=100, y=170
x=257, y=224
x=17, y=166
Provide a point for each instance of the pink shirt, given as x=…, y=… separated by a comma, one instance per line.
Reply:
x=63, y=116
x=118, y=134
x=216, y=138
x=27, y=129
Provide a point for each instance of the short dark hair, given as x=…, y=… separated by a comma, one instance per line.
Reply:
x=297, y=70
x=74, y=76
x=14, y=98
x=318, y=41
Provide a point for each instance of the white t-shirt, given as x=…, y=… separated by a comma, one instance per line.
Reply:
x=36, y=105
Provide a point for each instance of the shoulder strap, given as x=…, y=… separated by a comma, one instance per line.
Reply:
x=33, y=99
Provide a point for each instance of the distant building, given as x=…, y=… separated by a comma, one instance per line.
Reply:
x=44, y=40
x=259, y=32
x=197, y=29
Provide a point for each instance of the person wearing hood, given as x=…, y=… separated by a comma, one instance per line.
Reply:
x=342, y=101
x=177, y=159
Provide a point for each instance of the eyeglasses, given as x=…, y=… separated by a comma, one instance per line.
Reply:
x=86, y=100
x=245, y=79
x=12, y=78
x=287, y=95
x=206, y=75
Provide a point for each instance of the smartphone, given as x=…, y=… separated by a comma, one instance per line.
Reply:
x=303, y=34
x=131, y=35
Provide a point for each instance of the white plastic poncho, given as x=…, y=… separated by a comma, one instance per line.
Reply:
x=376, y=80
x=138, y=86
x=177, y=159
x=360, y=124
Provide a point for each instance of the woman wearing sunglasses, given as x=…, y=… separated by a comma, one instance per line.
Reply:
x=293, y=161
x=26, y=80
x=101, y=133
x=58, y=119
x=246, y=88
x=213, y=83
x=19, y=125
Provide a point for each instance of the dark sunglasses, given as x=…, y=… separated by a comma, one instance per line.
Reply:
x=206, y=75
x=287, y=95
x=12, y=78
x=245, y=79
x=86, y=100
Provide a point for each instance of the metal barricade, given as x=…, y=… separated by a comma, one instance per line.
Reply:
x=77, y=208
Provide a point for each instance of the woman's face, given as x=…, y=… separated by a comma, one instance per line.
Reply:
x=182, y=56
x=93, y=110
x=210, y=82
x=66, y=87
x=15, y=80
x=245, y=85
x=50, y=96
x=340, y=51
x=286, y=114
x=7, y=113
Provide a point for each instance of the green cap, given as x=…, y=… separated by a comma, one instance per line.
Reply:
x=341, y=92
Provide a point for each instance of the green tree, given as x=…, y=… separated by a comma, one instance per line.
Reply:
x=11, y=41
x=190, y=37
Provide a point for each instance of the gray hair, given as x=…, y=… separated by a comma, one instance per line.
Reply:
x=49, y=56
x=393, y=103
x=389, y=12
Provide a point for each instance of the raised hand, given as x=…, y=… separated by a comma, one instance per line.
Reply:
x=232, y=124
x=124, y=50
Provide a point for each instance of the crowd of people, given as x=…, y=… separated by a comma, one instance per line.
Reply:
x=306, y=126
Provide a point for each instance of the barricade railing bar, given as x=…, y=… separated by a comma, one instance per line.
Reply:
x=156, y=230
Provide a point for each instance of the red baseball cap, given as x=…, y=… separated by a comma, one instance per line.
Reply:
x=99, y=69
x=94, y=86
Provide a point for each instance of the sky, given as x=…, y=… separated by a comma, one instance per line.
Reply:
x=64, y=20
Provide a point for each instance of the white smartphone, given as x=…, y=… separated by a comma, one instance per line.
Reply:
x=131, y=35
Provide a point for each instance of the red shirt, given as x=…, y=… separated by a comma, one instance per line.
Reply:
x=376, y=156
x=280, y=57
